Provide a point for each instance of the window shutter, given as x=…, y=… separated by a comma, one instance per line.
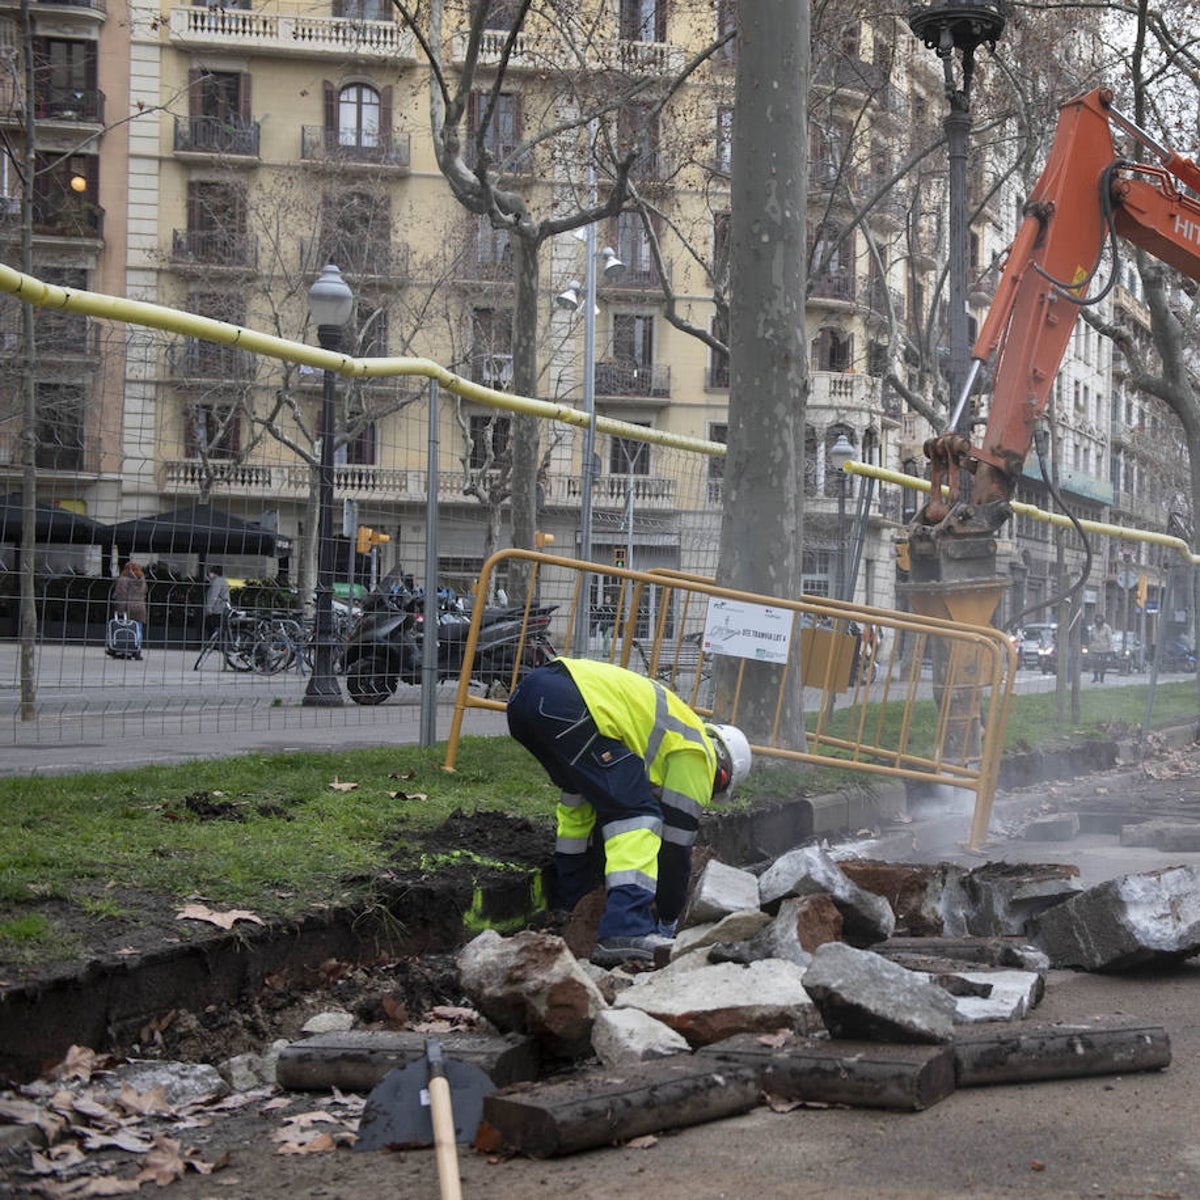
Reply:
x=244, y=97
x=195, y=218
x=660, y=21
x=516, y=118
x=195, y=92
x=330, y=94
x=233, y=436
x=385, y=111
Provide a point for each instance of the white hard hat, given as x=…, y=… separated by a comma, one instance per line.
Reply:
x=733, y=756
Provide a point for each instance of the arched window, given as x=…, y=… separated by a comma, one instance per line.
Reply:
x=358, y=116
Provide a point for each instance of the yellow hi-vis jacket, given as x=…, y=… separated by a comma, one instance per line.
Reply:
x=654, y=723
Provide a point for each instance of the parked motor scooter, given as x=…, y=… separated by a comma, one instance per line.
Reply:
x=387, y=645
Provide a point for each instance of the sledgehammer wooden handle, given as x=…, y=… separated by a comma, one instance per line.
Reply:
x=442, y=1113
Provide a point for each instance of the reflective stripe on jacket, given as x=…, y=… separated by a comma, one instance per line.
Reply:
x=654, y=723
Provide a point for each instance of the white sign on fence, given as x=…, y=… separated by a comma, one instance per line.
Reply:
x=742, y=630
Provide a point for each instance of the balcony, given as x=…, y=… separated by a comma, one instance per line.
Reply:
x=883, y=299
x=65, y=13
x=67, y=216
x=636, y=277
x=633, y=379
x=65, y=334
x=357, y=257
x=843, y=390
x=329, y=147
x=836, y=284
x=72, y=105
x=612, y=491
x=549, y=52
x=232, y=137
x=214, y=248
x=197, y=361
x=244, y=32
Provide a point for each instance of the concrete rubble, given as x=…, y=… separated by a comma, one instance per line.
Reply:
x=815, y=980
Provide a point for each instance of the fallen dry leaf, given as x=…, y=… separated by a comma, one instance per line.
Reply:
x=408, y=796
x=642, y=1143
x=225, y=920
x=321, y=1144
x=22, y=1112
x=395, y=1010
x=1036, y=1165
x=144, y=1104
x=403, y=775
x=164, y=1164
x=338, y=786
x=56, y=1161
x=78, y=1063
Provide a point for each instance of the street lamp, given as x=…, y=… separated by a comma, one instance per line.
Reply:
x=330, y=302
x=960, y=26
x=573, y=300
x=840, y=453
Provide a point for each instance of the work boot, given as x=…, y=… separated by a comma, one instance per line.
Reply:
x=612, y=951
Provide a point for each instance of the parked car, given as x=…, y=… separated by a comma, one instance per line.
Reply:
x=1036, y=644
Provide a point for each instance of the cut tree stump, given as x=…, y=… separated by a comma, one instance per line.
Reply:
x=598, y=1108
x=1027, y=1053
x=855, y=1073
x=357, y=1060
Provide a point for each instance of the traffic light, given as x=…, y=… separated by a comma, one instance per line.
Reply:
x=619, y=556
x=368, y=537
x=1143, y=586
x=542, y=540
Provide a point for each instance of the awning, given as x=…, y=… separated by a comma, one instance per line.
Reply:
x=52, y=525
x=200, y=529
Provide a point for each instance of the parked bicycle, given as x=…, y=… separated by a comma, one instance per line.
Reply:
x=233, y=639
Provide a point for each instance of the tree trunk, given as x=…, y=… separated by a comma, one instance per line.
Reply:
x=525, y=451
x=762, y=524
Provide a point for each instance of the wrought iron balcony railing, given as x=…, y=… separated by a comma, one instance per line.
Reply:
x=318, y=144
x=216, y=135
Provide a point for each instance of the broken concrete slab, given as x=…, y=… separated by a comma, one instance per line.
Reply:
x=1131, y=921
x=928, y=898
x=719, y=1000
x=1027, y=1053
x=833, y=1071
x=733, y=927
x=1176, y=836
x=862, y=995
x=531, y=983
x=718, y=891
x=358, y=1060
x=628, y=1035
x=598, y=1108
x=1004, y=898
x=1009, y=996
x=1057, y=827
x=808, y=871
x=986, y=951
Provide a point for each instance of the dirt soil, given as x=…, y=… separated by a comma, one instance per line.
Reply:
x=1115, y=1136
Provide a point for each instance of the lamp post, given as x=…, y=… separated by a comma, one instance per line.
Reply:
x=330, y=302
x=962, y=26
x=840, y=453
x=575, y=297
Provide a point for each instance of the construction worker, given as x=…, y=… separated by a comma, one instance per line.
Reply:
x=635, y=760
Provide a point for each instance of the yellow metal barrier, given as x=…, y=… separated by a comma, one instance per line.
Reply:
x=885, y=693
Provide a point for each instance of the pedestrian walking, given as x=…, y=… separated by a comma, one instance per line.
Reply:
x=636, y=766
x=216, y=600
x=129, y=600
x=1100, y=646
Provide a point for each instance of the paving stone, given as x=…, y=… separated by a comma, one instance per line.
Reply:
x=863, y=995
x=1003, y=898
x=734, y=927
x=723, y=999
x=531, y=983
x=628, y=1035
x=1181, y=837
x=928, y=898
x=1128, y=922
x=1058, y=827
x=1011, y=996
x=718, y=891
x=809, y=871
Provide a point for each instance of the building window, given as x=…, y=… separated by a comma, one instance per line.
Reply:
x=633, y=249
x=718, y=363
x=727, y=22
x=633, y=339
x=358, y=446
x=812, y=462
x=832, y=350
x=627, y=456
x=724, y=157
x=816, y=573
x=643, y=20
x=358, y=116
x=59, y=429
x=489, y=440
x=501, y=135
x=718, y=431
x=362, y=10
x=212, y=431
x=216, y=231
x=65, y=79
x=357, y=233
x=491, y=347
x=371, y=329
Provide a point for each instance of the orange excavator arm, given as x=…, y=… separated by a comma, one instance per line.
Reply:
x=1085, y=192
